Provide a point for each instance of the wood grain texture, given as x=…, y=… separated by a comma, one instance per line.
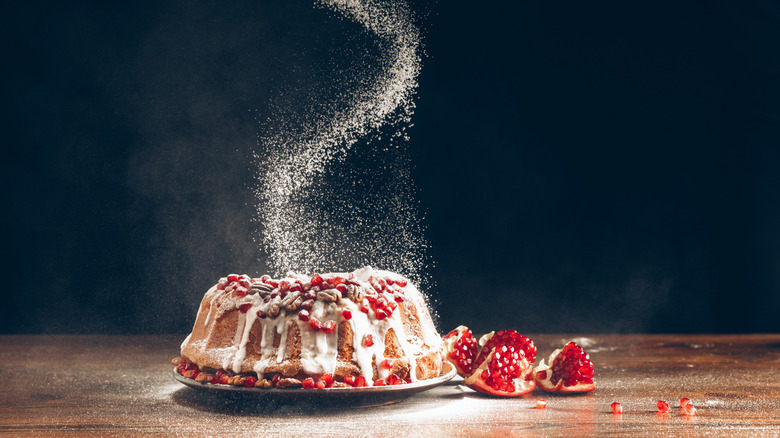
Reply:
x=122, y=386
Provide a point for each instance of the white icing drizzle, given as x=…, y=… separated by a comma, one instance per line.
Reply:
x=212, y=304
x=319, y=349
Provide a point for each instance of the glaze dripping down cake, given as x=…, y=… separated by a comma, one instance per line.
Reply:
x=363, y=328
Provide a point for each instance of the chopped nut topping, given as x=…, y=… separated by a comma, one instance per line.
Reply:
x=329, y=295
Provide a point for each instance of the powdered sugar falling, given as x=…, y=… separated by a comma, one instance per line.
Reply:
x=334, y=187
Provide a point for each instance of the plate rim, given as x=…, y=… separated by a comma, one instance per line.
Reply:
x=422, y=385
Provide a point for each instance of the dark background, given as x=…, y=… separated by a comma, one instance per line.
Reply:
x=582, y=167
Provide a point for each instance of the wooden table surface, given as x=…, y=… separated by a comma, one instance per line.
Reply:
x=123, y=385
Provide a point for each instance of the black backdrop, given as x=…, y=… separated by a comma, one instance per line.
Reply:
x=582, y=167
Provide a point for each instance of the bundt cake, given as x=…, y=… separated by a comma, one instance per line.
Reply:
x=364, y=328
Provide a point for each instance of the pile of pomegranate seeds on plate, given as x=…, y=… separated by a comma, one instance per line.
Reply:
x=501, y=364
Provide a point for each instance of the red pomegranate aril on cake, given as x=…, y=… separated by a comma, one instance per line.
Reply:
x=308, y=383
x=361, y=382
x=401, y=282
x=316, y=280
x=261, y=314
x=329, y=326
x=241, y=291
x=368, y=340
x=245, y=307
x=303, y=315
x=250, y=382
x=231, y=278
x=346, y=314
x=307, y=305
x=392, y=379
x=386, y=364
x=380, y=314
x=265, y=278
x=314, y=323
x=380, y=382
x=350, y=380
x=328, y=379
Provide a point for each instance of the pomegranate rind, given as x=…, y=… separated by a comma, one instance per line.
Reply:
x=543, y=377
x=522, y=384
x=449, y=346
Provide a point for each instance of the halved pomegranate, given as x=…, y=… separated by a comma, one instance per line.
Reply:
x=506, y=337
x=460, y=349
x=570, y=370
x=504, y=372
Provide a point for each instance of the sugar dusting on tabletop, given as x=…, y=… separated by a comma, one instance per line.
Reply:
x=319, y=209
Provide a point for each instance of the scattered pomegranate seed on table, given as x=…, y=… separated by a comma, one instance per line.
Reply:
x=616, y=408
x=541, y=404
x=663, y=406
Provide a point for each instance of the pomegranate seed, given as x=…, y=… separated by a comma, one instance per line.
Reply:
x=347, y=315
x=273, y=283
x=341, y=288
x=684, y=401
x=398, y=297
x=321, y=385
x=250, y=381
x=662, y=406
x=260, y=314
x=265, y=278
x=328, y=379
x=245, y=282
x=688, y=410
x=308, y=383
x=380, y=382
x=314, y=323
x=303, y=315
x=284, y=286
x=364, y=305
x=392, y=379
x=541, y=404
x=368, y=340
x=386, y=364
x=276, y=379
x=401, y=283
x=316, y=280
x=296, y=288
x=361, y=382
x=241, y=291
x=337, y=281
x=329, y=326
x=245, y=307
x=350, y=380
x=380, y=314
x=307, y=305
x=232, y=278
x=616, y=408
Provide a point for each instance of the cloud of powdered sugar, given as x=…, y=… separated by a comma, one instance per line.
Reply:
x=334, y=186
